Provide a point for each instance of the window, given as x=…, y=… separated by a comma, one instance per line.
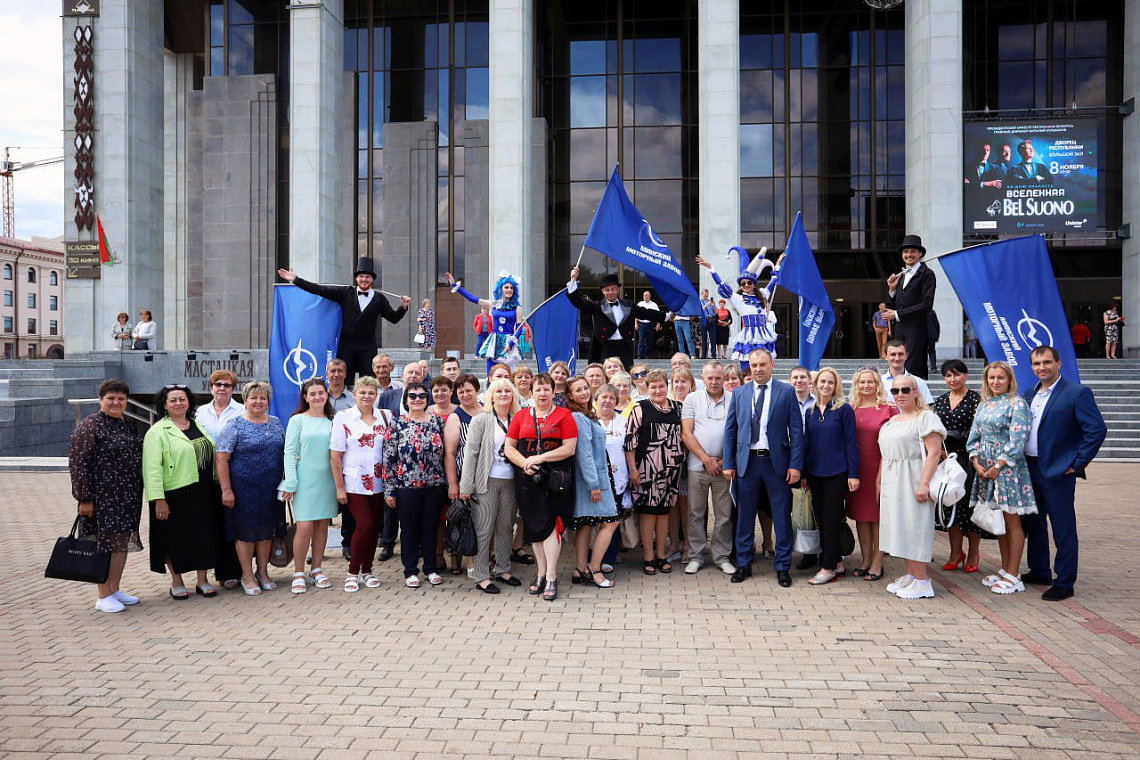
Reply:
x=31, y=300
x=31, y=326
x=53, y=327
x=7, y=271
x=53, y=278
x=8, y=298
x=9, y=324
x=31, y=274
x=53, y=302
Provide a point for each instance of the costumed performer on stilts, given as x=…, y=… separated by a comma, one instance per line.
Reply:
x=501, y=346
x=752, y=303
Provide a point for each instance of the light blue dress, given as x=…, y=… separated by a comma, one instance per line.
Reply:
x=308, y=475
x=1000, y=431
x=592, y=473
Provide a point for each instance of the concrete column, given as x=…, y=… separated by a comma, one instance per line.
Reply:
x=718, y=103
x=1131, y=206
x=128, y=156
x=510, y=156
x=934, y=128
x=178, y=83
x=316, y=99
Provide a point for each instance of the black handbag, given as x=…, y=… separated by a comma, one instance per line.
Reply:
x=281, y=550
x=76, y=559
x=554, y=480
x=846, y=540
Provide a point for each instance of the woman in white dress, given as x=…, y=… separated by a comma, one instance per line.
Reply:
x=911, y=444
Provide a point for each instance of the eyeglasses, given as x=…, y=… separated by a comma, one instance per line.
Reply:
x=223, y=385
x=904, y=391
x=176, y=387
x=417, y=397
x=639, y=375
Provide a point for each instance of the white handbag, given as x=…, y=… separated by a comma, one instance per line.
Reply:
x=948, y=485
x=419, y=339
x=988, y=515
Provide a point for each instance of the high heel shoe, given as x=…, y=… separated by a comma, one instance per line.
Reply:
x=971, y=568
x=579, y=576
x=592, y=578
x=953, y=564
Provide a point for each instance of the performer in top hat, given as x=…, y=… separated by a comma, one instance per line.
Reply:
x=360, y=306
x=752, y=302
x=911, y=300
x=614, y=319
x=501, y=346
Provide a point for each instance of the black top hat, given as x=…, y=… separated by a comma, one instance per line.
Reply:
x=364, y=266
x=910, y=241
x=610, y=279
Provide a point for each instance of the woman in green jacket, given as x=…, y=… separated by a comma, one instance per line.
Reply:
x=185, y=506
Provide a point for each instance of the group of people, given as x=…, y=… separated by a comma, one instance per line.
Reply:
x=681, y=467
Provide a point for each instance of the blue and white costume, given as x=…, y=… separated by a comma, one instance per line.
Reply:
x=757, y=320
x=501, y=346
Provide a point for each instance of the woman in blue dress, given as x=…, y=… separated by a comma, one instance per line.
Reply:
x=502, y=345
x=752, y=302
x=250, y=460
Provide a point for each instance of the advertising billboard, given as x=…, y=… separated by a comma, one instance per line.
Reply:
x=1031, y=175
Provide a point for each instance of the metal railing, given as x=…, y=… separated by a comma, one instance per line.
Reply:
x=145, y=415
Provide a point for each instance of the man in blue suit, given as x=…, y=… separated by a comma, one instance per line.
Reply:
x=764, y=452
x=1066, y=434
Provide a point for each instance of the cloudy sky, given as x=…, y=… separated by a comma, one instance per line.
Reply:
x=31, y=119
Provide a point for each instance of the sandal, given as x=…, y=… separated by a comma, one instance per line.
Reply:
x=255, y=591
x=604, y=583
x=859, y=572
x=551, y=592
x=266, y=585
x=663, y=565
x=179, y=593
x=520, y=555
x=579, y=575
x=320, y=580
x=370, y=580
x=873, y=576
x=299, y=585
x=536, y=586
x=412, y=581
x=649, y=568
x=206, y=590
x=352, y=584
x=434, y=579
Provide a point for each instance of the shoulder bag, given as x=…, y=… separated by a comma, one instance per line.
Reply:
x=554, y=480
x=281, y=550
x=76, y=559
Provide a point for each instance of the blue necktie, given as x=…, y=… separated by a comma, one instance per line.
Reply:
x=757, y=411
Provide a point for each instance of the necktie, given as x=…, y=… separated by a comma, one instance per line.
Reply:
x=757, y=412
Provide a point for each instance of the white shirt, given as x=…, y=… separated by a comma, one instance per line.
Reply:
x=708, y=418
x=762, y=440
x=365, y=299
x=146, y=330
x=923, y=388
x=363, y=449
x=500, y=467
x=212, y=422
x=618, y=314
x=909, y=275
x=1037, y=408
x=615, y=450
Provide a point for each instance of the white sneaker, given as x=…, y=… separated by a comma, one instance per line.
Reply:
x=693, y=567
x=900, y=583
x=727, y=568
x=916, y=590
x=109, y=604
x=125, y=598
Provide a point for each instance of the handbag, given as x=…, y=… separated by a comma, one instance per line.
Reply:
x=807, y=542
x=948, y=484
x=418, y=339
x=846, y=540
x=76, y=559
x=630, y=531
x=281, y=550
x=554, y=480
x=988, y=515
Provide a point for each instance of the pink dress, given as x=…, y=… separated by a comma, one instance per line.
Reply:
x=863, y=504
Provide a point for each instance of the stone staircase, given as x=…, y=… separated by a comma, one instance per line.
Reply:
x=1115, y=384
x=35, y=416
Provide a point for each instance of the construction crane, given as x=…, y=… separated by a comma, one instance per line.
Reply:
x=7, y=169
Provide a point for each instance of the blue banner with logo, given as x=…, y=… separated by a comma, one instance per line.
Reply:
x=554, y=331
x=302, y=339
x=622, y=233
x=1010, y=295
x=800, y=275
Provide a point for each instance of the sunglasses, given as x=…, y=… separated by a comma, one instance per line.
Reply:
x=903, y=391
x=223, y=385
x=639, y=375
x=419, y=396
x=176, y=387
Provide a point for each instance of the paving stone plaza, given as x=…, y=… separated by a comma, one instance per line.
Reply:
x=671, y=666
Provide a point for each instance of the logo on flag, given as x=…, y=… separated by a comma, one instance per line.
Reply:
x=299, y=365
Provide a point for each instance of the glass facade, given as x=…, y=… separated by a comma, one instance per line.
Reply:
x=415, y=61
x=617, y=84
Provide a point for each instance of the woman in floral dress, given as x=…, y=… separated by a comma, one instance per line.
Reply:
x=415, y=484
x=997, y=450
x=425, y=318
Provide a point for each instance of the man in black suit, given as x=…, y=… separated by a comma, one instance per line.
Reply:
x=911, y=299
x=360, y=306
x=614, y=319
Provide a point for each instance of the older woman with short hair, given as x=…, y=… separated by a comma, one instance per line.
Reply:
x=145, y=332
x=250, y=461
x=523, y=377
x=121, y=331
x=104, y=457
x=623, y=384
x=178, y=471
x=212, y=418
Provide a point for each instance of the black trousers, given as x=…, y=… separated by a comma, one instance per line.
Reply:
x=419, y=510
x=358, y=360
x=828, y=494
x=912, y=332
x=600, y=350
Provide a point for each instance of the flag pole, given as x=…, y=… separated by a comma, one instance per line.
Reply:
x=378, y=290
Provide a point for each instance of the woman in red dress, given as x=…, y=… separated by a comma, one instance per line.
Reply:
x=872, y=410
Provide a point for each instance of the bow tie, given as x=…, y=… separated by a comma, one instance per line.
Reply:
x=364, y=293
x=612, y=303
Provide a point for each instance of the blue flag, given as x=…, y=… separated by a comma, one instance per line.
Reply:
x=554, y=331
x=302, y=339
x=800, y=275
x=620, y=232
x=1010, y=295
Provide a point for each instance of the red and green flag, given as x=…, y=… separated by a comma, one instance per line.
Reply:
x=105, y=255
